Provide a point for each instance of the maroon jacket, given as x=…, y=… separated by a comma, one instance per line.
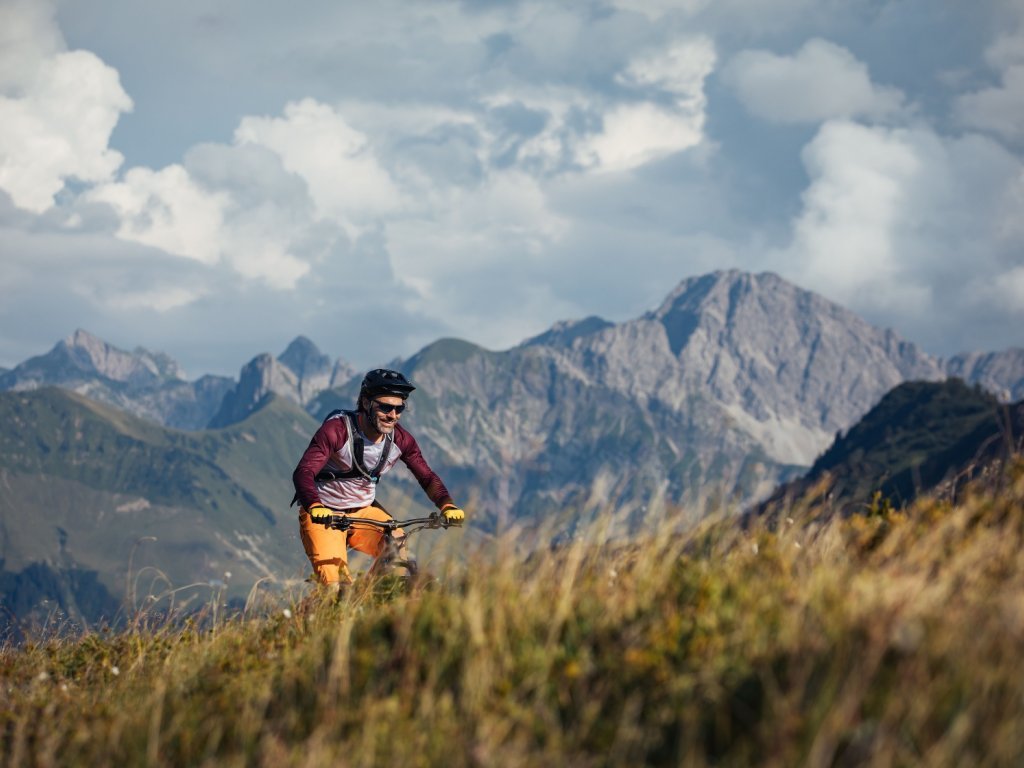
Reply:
x=329, y=450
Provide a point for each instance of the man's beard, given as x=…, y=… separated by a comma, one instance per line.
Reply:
x=384, y=427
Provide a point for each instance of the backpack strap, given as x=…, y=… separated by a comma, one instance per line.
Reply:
x=355, y=446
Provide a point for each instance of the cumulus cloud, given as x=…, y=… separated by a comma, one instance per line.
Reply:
x=58, y=109
x=636, y=133
x=820, y=82
x=845, y=240
x=344, y=177
x=231, y=205
x=166, y=209
x=662, y=113
x=909, y=227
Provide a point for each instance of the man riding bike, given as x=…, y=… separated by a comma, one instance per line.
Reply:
x=340, y=469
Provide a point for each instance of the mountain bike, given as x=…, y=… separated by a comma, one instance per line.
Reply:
x=390, y=547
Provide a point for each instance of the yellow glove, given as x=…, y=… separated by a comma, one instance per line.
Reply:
x=452, y=514
x=320, y=514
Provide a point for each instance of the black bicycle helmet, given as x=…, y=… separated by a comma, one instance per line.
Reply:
x=381, y=381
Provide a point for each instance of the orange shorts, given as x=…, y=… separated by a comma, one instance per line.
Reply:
x=327, y=549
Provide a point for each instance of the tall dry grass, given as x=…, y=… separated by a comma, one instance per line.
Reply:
x=891, y=639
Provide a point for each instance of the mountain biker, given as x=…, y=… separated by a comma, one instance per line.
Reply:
x=341, y=467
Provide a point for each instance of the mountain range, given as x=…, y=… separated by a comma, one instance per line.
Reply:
x=736, y=383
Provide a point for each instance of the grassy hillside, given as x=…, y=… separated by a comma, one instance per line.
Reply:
x=89, y=491
x=891, y=640
x=99, y=509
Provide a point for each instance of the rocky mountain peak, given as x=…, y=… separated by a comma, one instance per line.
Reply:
x=564, y=333
x=258, y=378
x=92, y=355
x=304, y=358
x=786, y=365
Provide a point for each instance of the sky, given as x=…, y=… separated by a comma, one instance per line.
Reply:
x=212, y=179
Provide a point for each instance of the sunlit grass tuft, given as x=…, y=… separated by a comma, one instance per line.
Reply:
x=889, y=639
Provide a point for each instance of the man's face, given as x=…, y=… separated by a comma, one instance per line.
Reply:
x=385, y=411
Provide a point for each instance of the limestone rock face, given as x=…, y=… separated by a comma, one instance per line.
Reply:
x=735, y=381
x=299, y=374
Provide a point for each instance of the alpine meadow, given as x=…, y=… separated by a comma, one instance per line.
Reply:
x=885, y=638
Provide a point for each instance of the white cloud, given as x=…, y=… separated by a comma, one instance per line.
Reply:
x=471, y=253
x=661, y=113
x=337, y=162
x=166, y=209
x=160, y=298
x=57, y=110
x=820, y=82
x=636, y=133
x=680, y=70
x=845, y=240
x=171, y=210
x=499, y=166
x=911, y=228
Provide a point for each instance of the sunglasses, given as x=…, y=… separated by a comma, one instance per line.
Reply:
x=388, y=408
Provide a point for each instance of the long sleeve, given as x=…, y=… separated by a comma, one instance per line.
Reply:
x=329, y=438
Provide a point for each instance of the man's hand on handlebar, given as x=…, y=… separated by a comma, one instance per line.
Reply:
x=452, y=515
x=320, y=514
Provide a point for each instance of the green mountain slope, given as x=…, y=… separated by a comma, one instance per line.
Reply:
x=921, y=437
x=137, y=510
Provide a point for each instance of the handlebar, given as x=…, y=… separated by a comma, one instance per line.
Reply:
x=342, y=522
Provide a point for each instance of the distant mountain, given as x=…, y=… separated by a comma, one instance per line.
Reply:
x=152, y=385
x=149, y=385
x=735, y=383
x=1001, y=373
x=299, y=374
x=920, y=438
